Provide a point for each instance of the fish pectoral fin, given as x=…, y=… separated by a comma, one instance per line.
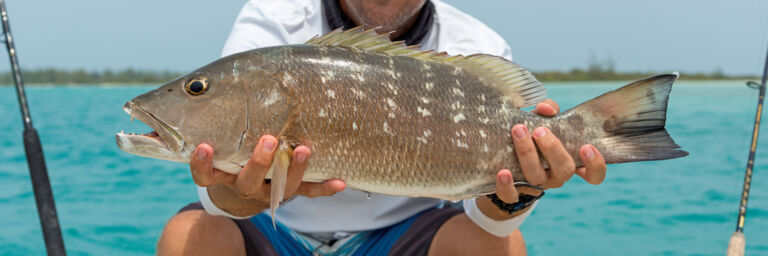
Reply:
x=279, y=170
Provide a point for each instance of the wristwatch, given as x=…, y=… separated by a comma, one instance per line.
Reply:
x=524, y=200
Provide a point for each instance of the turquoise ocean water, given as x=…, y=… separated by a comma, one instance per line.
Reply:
x=113, y=203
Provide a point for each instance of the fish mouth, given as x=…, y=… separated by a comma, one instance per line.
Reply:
x=164, y=142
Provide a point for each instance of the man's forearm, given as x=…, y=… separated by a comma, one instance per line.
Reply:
x=226, y=199
x=492, y=211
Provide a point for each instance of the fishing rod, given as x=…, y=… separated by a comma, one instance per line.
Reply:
x=738, y=241
x=46, y=208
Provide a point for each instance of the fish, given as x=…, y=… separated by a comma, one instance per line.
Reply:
x=385, y=117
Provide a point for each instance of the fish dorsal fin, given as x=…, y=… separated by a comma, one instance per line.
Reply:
x=514, y=81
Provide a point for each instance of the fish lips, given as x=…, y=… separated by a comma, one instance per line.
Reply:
x=165, y=142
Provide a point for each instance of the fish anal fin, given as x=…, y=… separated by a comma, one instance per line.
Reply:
x=520, y=87
x=279, y=171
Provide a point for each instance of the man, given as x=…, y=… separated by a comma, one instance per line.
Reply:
x=326, y=218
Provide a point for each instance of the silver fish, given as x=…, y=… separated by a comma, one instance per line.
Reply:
x=384, y=117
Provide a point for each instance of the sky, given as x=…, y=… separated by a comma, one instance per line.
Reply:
x=181, y=35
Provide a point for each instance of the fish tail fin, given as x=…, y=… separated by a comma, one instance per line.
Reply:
x=279, y=170
x=632, y=119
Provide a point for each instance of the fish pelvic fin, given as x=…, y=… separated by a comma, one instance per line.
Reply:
x=513, y=81
x=279, y=170
x=631, y=121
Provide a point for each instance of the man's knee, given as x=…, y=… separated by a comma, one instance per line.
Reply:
x=461, y=236
x=196, y=232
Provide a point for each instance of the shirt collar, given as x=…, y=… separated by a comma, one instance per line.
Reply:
x=336, y=18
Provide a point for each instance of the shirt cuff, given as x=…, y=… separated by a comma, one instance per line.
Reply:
x=500, y=228
x=211, y=208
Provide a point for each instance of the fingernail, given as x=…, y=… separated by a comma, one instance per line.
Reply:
x=520, y=132
x=504, y=179
x=301, y=157
x=201, y=154
x=540, y=132
x=589, y=153
x=269, y=144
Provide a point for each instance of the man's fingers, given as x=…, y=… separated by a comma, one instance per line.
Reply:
x=326, y=188
x=547, y=107
x=296, y=169
x=594, y=165
x=201, y=165
x=251, y=177
x=561, y=165
x=505, y=188
x=527, y=155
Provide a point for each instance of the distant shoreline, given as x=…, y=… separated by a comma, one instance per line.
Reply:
x=59, y=77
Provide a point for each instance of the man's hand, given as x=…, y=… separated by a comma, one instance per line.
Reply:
x=561, y=165
x=247, y=193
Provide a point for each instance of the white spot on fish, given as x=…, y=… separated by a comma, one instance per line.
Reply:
x=481, y=109
x=322, y=79
x=391, y=73
x=482, y=134
x=425, y=66
x=463, y=133
x=386, y=127
x=458, y=134
x=461, y=144
x=360, y=77
x=423, y=111
x=429, y=85
x=354, y=126
x=510, y=149
x=331, y=94
x=456, y=105
x=505, y=108
x=484, y=120
x=425, y=100
x=482, y=97
x=456, y=71
x=272, y=98
x=458, y=92
x=391, y=115
x=427, y=132
x=423, y=140
x=457, y=82
x=288, y=79
x=322, y=113
x=391, y=103
x=359, y=93
x=458, y=118
x=485, y=148
x=392, y=88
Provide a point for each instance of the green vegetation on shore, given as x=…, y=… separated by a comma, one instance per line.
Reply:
x=595, y=72
x=61, y=76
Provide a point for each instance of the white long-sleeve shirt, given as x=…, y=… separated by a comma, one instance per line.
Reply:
x=263, y=23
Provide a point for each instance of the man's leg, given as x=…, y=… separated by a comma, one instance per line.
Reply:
x=460, y=236
x=195, y=232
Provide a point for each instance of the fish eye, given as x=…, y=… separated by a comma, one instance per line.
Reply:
x=197, y=86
